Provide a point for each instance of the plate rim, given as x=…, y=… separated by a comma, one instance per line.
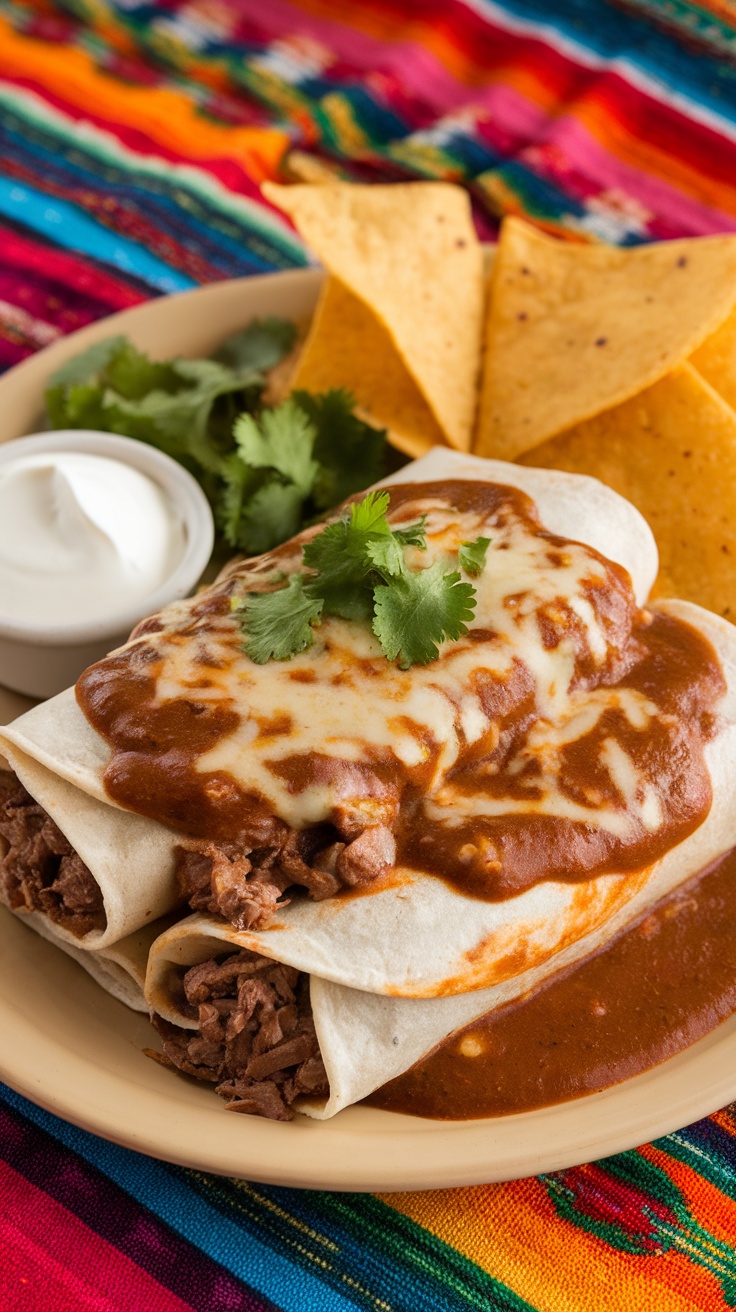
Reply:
x=363, y=1149
x=332, y=1154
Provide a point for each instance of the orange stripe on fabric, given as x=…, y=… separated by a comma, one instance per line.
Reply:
x=714, y=1210
x=606, y=127
x=512, y=1232
x=166, y=115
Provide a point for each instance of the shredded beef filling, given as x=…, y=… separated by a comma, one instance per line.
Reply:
x=255, y=1039
x=245, y=883
x=39, y=869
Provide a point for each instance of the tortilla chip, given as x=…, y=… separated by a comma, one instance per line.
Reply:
x=672, y=452
x=409, y=252
x=347, y=347
x=716, y=360
x=300, y=166
x=573, y=330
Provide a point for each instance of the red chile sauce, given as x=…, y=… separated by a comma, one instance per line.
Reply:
x=661, y=985
x=156, y=744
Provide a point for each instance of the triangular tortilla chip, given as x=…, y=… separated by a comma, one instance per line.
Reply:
x=347, y=347
x=716, y=360
x=671, y=451
x=573, y=330
x=409, y=251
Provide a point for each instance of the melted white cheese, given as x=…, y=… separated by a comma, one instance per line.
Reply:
x=344, y=700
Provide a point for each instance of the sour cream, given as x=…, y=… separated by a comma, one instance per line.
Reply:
x=83, y=538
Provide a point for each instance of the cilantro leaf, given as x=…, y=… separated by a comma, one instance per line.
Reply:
x=132, y=374
x=175, y=424
x=369, y=515
x=270, y=515
x=414, y=535
x=281, y=439
x=74, y=393
x=415, y=613
x=386, y=555
x=260, y=346
x=277, y=625
x=350, y=452
x=472, y=556
x=341, y=559
x=342, y=574
x=75, y=405
x=236, y=478
x=89, y=365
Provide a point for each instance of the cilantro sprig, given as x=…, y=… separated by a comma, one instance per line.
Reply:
x=356, y=569
x=472, y=556
x=266, y=471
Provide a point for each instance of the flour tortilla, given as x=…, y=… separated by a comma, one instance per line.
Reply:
x=131, y=858
x=120, y=969
x=418, y=938
x=367, y=1039
x=423, y=939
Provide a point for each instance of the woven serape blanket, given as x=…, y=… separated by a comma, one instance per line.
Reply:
x=133, y=141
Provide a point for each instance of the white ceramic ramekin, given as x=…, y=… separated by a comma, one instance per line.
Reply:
x=41, y=659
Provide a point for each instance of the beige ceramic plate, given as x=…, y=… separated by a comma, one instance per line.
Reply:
x=69, y=1047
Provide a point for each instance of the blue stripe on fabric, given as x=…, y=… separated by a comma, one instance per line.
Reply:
x=226, y=254
x=166, y=1193
x=68, y=226
x=382, y=1251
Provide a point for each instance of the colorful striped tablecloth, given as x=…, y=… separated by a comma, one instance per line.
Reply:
x=133, y=139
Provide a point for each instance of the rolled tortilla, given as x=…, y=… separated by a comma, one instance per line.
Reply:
x=131, y=858
x=422, y=939
x=367, y=1038
x=61, y=760
x=416, y=938
x=419, y=938
x=120, y=969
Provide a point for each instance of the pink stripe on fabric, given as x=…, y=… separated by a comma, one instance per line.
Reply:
x=571, y=140
x=52, y=1261
x=420, y=72
x=40, y=258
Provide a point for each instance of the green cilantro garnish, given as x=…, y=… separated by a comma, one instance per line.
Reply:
x=279, y=624
x=472, y=556
x=351, y=556
x=259, y=346
x=357, y=571
x=281, y=440
x=416, y=612
x=266, y=472
x=349, y=451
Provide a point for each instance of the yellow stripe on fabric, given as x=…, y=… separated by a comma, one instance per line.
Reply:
x=167, y=116
x=512, y=1232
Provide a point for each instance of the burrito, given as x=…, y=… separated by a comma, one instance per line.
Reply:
x=233, y=832
x=217, y=994
x=375, y=840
